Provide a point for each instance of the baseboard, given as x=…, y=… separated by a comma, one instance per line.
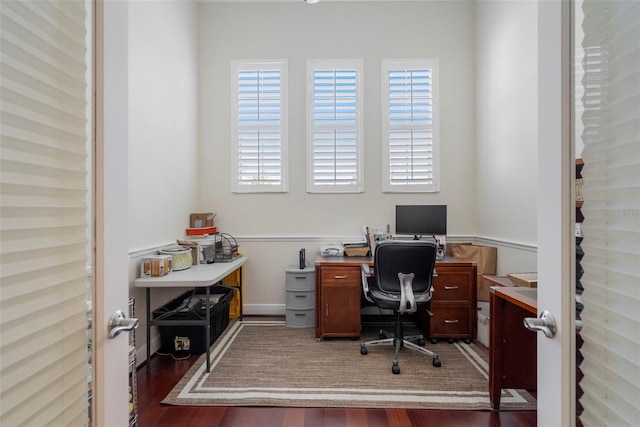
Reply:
x=141, y=352
x=264, y=309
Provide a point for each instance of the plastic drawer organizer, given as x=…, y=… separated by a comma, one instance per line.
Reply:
x=182, y=331
x=301, y=297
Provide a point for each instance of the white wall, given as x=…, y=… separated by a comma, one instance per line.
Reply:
x=506, y=132
x=163, y=118
x=163, y=133
x=272, y=227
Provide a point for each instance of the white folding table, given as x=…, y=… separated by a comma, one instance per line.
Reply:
x=198, y=276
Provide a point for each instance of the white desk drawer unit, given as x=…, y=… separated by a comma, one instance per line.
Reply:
x=301, y=297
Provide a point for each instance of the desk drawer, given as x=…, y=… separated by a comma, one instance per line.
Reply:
x=337, y=275
x=452, y=286
x=450, y=322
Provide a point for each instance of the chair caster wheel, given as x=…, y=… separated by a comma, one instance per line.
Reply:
x=451, y=340
x=380, y=335
x=363, y=350
x=395, y=369
x=421, y=343
x=437, y=363
x=467, y=340
x=434, y=341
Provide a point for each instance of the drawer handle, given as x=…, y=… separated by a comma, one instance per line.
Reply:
x=300, y=277
x=300, y=314
x=344, y=276
x=300, y=296
x=450, y=288
x=451, y=321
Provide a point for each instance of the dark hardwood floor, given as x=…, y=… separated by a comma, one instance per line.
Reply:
x=166, y=372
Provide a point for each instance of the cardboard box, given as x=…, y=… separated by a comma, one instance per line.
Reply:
x=199, y=220
x=486, y=259
x=155, y=266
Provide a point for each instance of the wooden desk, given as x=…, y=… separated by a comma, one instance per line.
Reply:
x=198, y=276
x=338, y=298
x=513, y=349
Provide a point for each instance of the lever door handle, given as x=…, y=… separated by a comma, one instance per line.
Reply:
x=119, y=322
x=546, y=323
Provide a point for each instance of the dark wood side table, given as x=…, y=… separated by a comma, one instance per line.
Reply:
x=513, y=349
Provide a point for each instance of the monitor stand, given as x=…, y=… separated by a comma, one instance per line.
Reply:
x=440, y=247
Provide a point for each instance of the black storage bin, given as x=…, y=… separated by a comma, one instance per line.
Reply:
x=189, y=339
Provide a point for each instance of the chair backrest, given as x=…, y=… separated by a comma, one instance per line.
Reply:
x=408, y=256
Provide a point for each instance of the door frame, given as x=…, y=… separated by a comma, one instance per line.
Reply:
x=556, y=215
x=110, y=212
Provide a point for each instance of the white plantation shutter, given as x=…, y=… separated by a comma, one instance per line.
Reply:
x=259, y=122
x=334, y=126
x=611, y=192
x=43, y=256
x=409, y=126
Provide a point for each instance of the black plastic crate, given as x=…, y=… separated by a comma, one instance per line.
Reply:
x=182, y=340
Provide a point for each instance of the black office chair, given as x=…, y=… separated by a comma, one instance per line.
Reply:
x=403, y=271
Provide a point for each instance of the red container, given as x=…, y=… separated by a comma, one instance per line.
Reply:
x=201, y=231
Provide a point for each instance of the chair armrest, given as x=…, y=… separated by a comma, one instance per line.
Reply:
x=365, y=273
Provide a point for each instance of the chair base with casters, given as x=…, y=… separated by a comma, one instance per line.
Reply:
x=399, y=341
x=398, y=293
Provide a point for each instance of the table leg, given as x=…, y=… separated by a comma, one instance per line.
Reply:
x=148, y=311
x=240, y=291
x=207, y=328
x=495, y=351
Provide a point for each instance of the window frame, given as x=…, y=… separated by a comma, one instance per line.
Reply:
x=259, y=186
x=335, y=186
x=409, y=186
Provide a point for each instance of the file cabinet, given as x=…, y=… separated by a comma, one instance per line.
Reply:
x=338, y=306
x=300, y=297
x=453, y=303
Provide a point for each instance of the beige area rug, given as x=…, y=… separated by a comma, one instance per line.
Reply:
x=264, y=363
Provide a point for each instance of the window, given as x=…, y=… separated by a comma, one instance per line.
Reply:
x=334, y=126
x=410, y=126
x=259, y=126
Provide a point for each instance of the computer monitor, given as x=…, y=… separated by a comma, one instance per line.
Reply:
x=421, y=220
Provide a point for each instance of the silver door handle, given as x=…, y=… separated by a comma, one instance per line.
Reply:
x=545, y=323
x=119, y=322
